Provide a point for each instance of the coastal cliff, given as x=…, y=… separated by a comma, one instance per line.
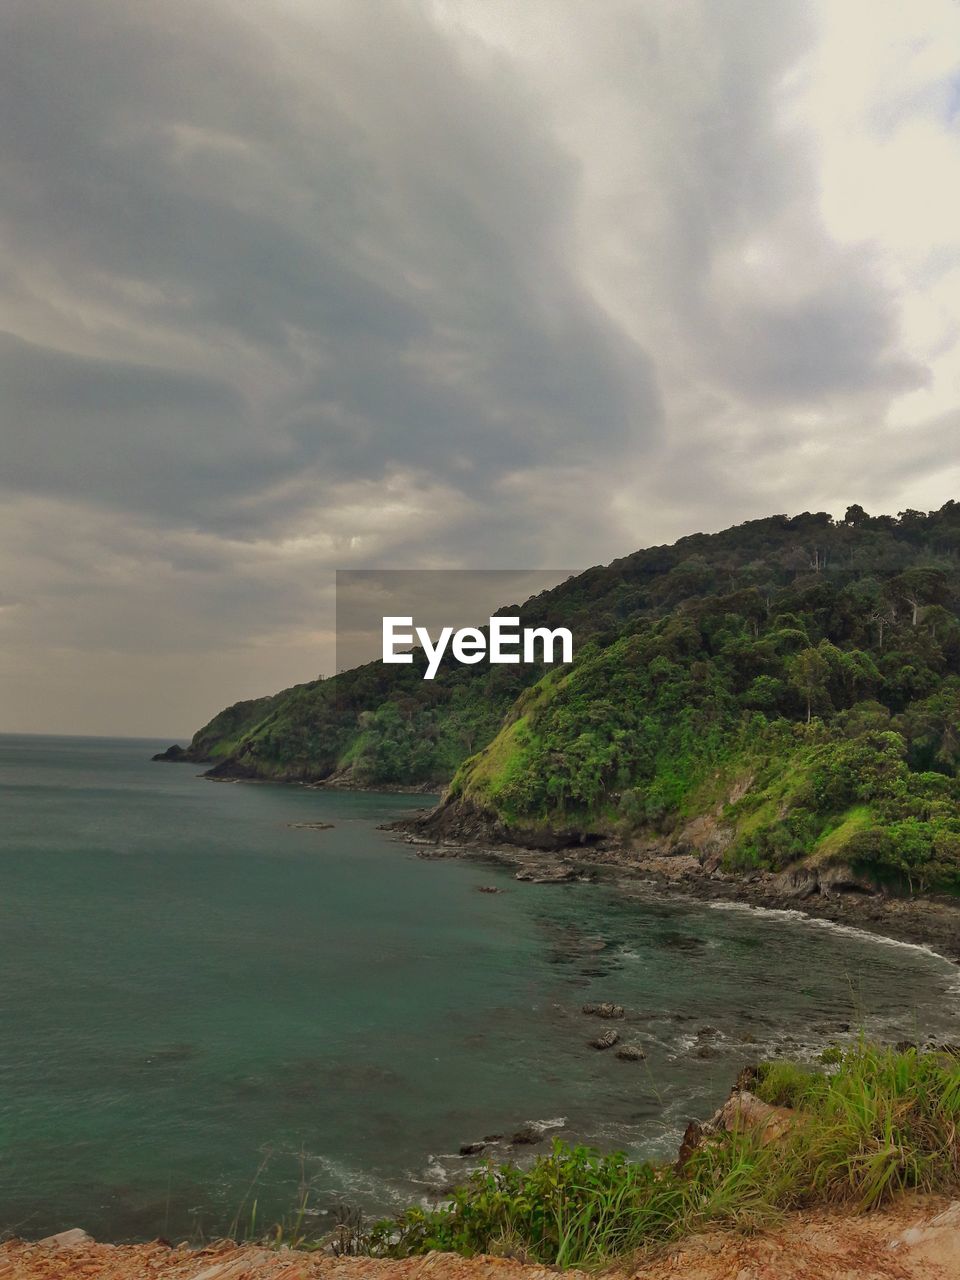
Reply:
x=782, y=697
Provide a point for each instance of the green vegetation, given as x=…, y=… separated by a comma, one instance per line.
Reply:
x=795, y=682
x=876, y=1122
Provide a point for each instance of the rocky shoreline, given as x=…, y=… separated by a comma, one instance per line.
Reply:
x=932, y=922
x=676, y=868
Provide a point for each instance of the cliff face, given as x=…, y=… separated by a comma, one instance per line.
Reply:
x=795, y=683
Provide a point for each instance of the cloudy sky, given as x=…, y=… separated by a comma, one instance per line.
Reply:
x=296, y=285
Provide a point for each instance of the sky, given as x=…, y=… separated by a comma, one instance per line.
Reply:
x=292, y=286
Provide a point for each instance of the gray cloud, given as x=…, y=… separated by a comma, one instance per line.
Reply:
x=376, y=221
x=293, y=286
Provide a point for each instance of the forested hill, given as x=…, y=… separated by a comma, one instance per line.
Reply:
x=798, y=676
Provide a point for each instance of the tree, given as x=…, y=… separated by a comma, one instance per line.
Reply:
x=919, y=586
x=809, y=672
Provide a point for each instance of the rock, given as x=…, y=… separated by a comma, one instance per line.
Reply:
x=604, y=1010
x=487, y=888
x=802, y=882
x=173, y=755
x=825, y=881
x=473, y=1148
x=527, y=1135
x=705, y=1051
x=606, y=1040
x=631, y=1053
x=706, y=1032
x=936, y=1242
x=841, y=878
x=71, y=1239
x=682, y=942
x=493, y=1137
x=692, y=1138
x=742, y=1111
x=952, y=1050
x=748, y=1078
x=310, y=826
x=561, y=874
x=706, y=840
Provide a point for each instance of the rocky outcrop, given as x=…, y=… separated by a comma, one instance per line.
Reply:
x=631, y=1053
x=527, y=1135
x=461, y=819
x=561, y=873
x=604, y=1010
x=741, y=1112
x=810, y=879
x=706, y=838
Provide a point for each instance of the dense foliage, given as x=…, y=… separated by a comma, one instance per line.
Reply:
x=814, y=714
x=800, y=674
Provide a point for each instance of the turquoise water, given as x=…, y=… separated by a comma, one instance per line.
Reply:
x=199, y=998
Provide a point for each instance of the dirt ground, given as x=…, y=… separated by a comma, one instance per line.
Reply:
x=919, y=1239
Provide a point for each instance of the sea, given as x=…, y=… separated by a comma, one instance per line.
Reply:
x=213, y=1011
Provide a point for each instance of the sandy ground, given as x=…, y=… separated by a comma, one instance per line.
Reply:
x=918, y=1239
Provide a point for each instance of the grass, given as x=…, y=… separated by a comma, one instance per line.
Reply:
x=831, y=846
x=869, y=1123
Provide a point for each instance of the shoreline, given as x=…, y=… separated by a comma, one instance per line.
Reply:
x=929, y=922
x=932, y=924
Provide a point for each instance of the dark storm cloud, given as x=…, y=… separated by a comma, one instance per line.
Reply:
x=364, y=216
x=99, y=429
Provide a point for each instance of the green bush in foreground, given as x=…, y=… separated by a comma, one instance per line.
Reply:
x=874, y=1122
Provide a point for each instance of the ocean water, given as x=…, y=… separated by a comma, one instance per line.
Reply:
x=203, y=1006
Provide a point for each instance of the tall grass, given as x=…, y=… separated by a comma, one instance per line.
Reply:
x=883, y=1121
x=571, y=1207
x=873, y=1122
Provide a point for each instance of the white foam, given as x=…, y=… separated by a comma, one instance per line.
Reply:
x=556, y=1123
x=786, y=913
x=346, y=1180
